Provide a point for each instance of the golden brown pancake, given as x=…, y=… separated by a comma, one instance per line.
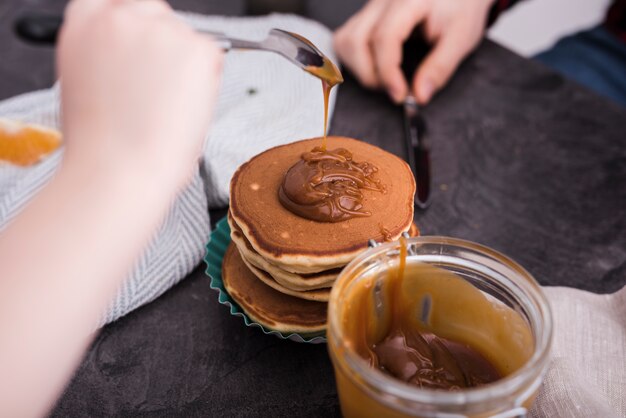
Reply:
x=292, y=281
x=299, y=245
x=317, y=295
x=268, y=307
x=285, y=278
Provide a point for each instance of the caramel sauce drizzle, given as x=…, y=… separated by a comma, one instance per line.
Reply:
x=330, y=76
x=328, y=185
x=326, y=89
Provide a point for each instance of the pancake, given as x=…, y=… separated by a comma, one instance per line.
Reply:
x=316, y=295
x=285, y=278
x=293, y=281
x=272, y=309
x=299, y=245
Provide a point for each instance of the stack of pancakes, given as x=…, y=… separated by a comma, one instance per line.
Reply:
x=280, y=267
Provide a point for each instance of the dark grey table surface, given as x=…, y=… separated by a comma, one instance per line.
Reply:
x=524, y=161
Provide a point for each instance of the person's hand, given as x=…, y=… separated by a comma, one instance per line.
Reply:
x=137, y=91
x=138, y=87
x=370, y=43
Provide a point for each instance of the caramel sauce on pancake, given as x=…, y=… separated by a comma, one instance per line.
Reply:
x=299, y=245
x=327, y=186
x=412, y=326
x=386, y=234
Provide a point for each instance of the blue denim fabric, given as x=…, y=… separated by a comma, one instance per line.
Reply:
x=595, y=58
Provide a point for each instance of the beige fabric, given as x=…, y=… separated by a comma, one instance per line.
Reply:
x=587, y=374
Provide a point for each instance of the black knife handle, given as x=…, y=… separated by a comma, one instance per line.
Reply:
x=38, y=29
x=418, y=154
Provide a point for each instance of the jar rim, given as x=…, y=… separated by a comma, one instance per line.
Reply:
x=527, y=376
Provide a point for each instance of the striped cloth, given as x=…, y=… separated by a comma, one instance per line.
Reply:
x=264, y=101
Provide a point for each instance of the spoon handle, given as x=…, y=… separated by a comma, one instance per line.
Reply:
x=43, y=29
x=228, y=43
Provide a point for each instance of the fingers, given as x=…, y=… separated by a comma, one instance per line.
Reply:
x=370, y=43
x=388, y=37
x=443, y=60
x=352, y=43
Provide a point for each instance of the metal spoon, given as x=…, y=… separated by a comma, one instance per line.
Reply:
x=295, y=48
x=43, y=29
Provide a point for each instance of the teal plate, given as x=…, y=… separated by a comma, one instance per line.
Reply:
x=215, y=250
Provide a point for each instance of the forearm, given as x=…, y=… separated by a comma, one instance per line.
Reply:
x=61, y=262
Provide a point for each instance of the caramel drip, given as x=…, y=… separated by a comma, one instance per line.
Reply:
x=326, y=88
x=327, y=186
x=328, y=72
x=330, y=76
x=385, y=233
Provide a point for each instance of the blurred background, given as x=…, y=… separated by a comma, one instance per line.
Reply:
x=548, y=20
x=530, y=27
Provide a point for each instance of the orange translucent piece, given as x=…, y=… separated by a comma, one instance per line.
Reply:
x=25, y=144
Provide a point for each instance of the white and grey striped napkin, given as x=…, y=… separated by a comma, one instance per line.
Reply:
x=264, y=101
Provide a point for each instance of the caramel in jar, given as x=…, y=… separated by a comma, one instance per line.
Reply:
x=425, y=330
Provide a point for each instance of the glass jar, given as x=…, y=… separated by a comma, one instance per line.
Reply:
x=365, y=391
